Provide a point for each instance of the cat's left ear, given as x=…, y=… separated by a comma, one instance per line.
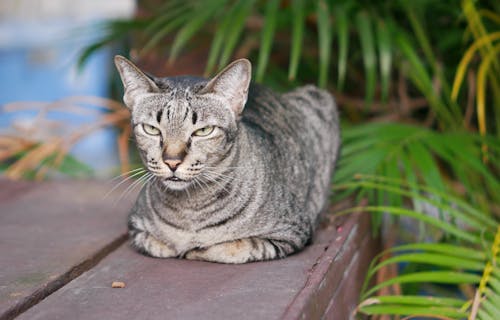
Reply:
x=135, y=82
x=232, y=84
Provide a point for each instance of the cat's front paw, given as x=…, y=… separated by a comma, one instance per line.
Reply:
x=229, y=252
x=237, y=251
x=149, y=245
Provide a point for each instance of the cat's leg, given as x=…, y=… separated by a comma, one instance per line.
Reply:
x=243, y=250
x=145, y=242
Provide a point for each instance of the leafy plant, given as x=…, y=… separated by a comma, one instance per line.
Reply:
x=486, y=45
x=470, y=257
x=420, y=155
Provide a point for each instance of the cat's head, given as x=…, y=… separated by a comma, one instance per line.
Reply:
x=184, y=127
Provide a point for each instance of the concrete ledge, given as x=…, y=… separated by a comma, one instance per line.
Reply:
x=78, y=230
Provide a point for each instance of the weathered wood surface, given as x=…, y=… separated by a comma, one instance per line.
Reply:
x=57, y=229
x=50, y=233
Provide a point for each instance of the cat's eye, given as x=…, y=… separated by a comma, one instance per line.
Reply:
x=151, y=130
x=205, y=131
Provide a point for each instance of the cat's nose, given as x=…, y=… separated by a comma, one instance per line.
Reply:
x=174, y=153
x=173, y=164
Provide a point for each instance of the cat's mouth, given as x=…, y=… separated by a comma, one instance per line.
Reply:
x=173, y=178
x=175, y=183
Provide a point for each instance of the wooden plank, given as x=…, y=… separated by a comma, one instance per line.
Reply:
x=347, y=294
x=181, y=289
x=332, y=277
x=52, y=232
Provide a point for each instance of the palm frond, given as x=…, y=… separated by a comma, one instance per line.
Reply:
x=206, y=9
x=267, y=38
x=463, y=262
x=298, y=26
x=367, y=41
x=324, y=41
x=341, y=17
x=385, y=53
x=418, y=154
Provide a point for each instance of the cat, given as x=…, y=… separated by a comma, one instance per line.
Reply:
x=241, y=173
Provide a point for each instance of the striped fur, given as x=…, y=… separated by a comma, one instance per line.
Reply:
x=253, y=188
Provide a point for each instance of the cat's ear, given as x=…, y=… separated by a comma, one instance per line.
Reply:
x=232, y=84
x=134, y=81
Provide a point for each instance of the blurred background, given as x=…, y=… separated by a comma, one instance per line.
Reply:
x=40, y=44
x=417, y=84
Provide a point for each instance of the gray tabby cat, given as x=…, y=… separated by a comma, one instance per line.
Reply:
x=235, y=180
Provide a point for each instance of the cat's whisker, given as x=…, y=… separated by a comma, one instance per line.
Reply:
x=123, y=181
x=133, y=185
x=222, y=175
x=126, y=174
x=225, y=179
x=153, y=177
x=188, y=194
x=233, y=168
x=223, y=170
x=199, y=184
x=218, y=183
x=212, y=171
x=207, y=187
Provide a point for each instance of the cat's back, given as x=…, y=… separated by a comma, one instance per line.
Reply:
x=300, y=139
x=307, y=115
x=303, y=105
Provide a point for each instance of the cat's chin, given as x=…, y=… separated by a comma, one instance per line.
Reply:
x=176, y=185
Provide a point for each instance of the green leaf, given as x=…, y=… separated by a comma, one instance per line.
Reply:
x=267, y=37
x=423, y=81
x=341, y=17
x=482, y=315
x=444, y=248
x=412, y=310
x=391, y=169
x=90, y=50
x=166, y=15
x=444, y=277
x=453, y=206
x=445, y=226
x=168, y=27
x=217, y=42
x=495, y=285
x=324, y=41
x=424, y=161
x=441, y=260
x=462, y=152
x=298, y=26
x=241, y=13
x=419, y=301
x=385, y=56
x=369, y=55
x=206, y=10
x=490, y=308
x=418, y=29
x=492, y=296
x=113, y=31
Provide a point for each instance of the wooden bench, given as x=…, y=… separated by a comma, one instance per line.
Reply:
x=62, y=245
